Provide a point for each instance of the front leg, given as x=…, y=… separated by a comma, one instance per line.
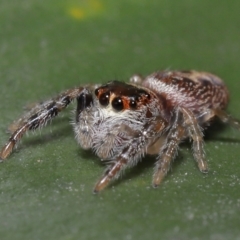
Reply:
x=39, y=116
x=135, y=149
x=128, y=158
x=112, y=172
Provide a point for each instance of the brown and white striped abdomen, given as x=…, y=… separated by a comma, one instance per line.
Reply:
x=193, y=90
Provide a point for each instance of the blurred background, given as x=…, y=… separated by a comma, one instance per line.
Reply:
x=49, y=46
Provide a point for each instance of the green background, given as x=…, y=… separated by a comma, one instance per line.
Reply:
x=46, y=184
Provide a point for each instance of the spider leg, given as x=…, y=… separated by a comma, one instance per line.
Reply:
x=226, y=118
x=169, y=150
x=112, y=172
x=29, y=111
x=39, y=116
x=194, y=131
x=185, y=124
x=136, y=79
x=132, y=153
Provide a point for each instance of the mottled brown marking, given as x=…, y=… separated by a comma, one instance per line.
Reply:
x=198, y=89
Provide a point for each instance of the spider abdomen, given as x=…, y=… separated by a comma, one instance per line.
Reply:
x=193, y=90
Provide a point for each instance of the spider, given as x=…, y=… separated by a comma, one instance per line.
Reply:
x=121, y=122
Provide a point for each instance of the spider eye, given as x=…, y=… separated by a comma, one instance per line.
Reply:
x=96, y=91
x=104, y=99
x=133, y=103
x=117, y=104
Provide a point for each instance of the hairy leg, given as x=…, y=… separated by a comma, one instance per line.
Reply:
x=169, y=150
x=37, y=117
x=132, y=153
x=226, y=118
x=112, y=172
x=195, y=133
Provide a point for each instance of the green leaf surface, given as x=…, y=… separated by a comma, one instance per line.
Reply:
x=46, y=184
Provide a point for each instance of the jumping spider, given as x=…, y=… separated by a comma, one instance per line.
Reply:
x=122, y=122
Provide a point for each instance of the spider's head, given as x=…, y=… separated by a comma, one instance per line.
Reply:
x=118, y=96
x=110, y=116
x=114, y=98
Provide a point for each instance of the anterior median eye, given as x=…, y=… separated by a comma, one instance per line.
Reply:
x=117, y=104
x=104, y=99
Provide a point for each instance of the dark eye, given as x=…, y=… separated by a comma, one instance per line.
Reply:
x=117, y=104
x=133, y=103
x=96, y=91
x=104, y=99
